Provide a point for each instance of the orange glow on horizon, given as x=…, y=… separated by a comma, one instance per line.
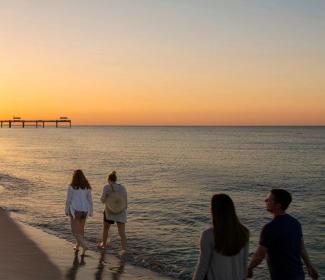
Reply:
x=138, y=74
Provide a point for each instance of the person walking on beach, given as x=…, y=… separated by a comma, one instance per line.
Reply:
x=281, y=240
x=223, y=247
x=114, y=197
x=79, y=205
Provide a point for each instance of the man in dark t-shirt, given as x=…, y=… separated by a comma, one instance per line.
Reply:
x=282, y=242
x=282, y=237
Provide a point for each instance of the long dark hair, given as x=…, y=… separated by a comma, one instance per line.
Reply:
x=229, y=234
x=79, y=180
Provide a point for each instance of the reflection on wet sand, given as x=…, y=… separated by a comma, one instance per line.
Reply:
x=100, y=266
x=116, y=271
x=76, y=264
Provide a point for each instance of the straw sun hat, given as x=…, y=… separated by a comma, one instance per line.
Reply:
x=115, y=202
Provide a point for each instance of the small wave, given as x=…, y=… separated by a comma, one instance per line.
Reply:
x=13, y=183
x=8, y=178
x=154, y=264
x=11, y=210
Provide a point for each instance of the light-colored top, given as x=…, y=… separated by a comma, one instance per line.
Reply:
x=120, y=217
x=215, y=266
x=79, y=200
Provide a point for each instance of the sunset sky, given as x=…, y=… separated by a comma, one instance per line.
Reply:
x=164, y=62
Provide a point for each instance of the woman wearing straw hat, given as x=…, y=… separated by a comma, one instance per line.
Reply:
x=114, y=197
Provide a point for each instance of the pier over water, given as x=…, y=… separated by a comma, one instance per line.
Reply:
x=16, y=121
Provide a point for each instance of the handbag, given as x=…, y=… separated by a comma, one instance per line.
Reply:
x=115, y=202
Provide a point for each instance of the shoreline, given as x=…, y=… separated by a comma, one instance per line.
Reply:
x=32, y=253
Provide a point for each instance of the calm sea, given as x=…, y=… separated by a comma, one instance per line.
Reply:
x=170, y=174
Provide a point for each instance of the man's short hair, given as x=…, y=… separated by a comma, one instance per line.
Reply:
x=282, y=197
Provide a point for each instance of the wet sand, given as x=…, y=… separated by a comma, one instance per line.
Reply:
x=20, y=257
x=30, y=253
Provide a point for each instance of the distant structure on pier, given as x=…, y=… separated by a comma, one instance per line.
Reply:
x=37, y=123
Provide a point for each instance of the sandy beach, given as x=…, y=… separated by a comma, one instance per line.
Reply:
x=30, y=253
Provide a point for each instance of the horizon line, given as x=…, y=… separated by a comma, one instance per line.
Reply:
x=205, y=125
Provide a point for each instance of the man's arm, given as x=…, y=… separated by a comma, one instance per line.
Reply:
x=257, y=258
x=311, y=270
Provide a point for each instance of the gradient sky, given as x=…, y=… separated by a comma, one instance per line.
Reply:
x=164, y=62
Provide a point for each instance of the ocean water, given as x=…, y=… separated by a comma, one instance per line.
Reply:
x=170, y=174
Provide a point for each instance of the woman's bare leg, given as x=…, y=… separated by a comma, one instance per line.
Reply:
x=82, y=224
x=79, y=233
x=82, y=230
x=106, y=227
x=121, y=231
x=74, y=229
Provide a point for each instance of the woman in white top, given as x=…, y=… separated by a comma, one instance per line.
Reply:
x=79, y=205
x=119, y=216
x=223, y=247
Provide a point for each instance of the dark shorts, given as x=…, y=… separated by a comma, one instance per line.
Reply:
x=79, y=215
x=111, y=222
x=106, y=220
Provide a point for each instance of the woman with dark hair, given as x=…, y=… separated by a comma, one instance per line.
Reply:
x=224, y=247
x=79, y=205
x=114, y=197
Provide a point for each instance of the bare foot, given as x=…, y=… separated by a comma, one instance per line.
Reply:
x=76, y=249
x=122, y=252
x=101, y=245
